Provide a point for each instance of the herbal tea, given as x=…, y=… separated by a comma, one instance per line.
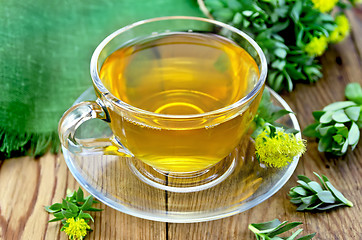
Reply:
x=181, y=74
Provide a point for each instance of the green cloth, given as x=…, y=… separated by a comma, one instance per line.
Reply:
x=45, y=50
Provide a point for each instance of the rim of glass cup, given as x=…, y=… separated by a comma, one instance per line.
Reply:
x=123, y=105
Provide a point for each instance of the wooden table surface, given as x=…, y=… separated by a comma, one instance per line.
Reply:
x=28, y=184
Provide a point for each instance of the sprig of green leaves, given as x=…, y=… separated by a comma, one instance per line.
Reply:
x=282, y=29
x=73, y=206
x=270, y=230
x=267, y=114
x=337, y=125
x=275, y=144
x=310, y=195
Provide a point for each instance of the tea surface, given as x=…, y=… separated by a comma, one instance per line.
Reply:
x=180, y=74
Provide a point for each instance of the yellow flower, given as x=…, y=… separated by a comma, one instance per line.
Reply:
x=278, y=150
x=317, y=46
x=341, y=31
x=76, y=229
x=324, y=5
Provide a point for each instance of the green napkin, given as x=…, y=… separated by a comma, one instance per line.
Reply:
x=45, y=50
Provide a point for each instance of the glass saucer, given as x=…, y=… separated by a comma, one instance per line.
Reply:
x=111, y=179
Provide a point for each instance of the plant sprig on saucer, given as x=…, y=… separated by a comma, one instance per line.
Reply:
x=71, y=213
x=275, y=144
x=268, y=114
x=310, y=195
x=337, y=125
x=270, y=230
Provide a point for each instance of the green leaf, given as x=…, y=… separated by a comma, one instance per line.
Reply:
x=87, y=204
x=296, y=11
x=325, y=179
x=327, y=130
x=292, y=131
x=80, y=195
x=339, y=125
x=296, y=200
x=293, y=194
x=55, y=219
x=353, y=113
x=353, y=146
x=56, y=207
x=247, y=13
x=278, y=64
x=339, y=105
x=279, y=114
x=289, y=81
x=277, y=28
x=300, y=191
x=85, y=215
x=321, y=180
x=223, y=14
x=237, y=19
x=214, y=4
x=64, y=204
x=318, y=114
x=304, y=184
x=330, y=206
x=234, y=5
x=280, y=52
x=265, y=226
x=307, y=237
x=313, y=73
x=94, y=209
x=310, y=199
x=324, y=144
x=302, y=207
x=72, y=207
x=284, y=228
x=47, y=208
x=294, y=235
x=353, y=92
x=303, y=178
x=315, y=186
x=344, y=148
x=68, y=214
x=342, y=130
x=310, y=130
x=270, y=230
x=58, y=215
x=71, y=195
x=354, y=134
x=326, y=197
x=315, y=206
x=326, y=117
x=338, y=194
x=340, y=116
x=338, y=138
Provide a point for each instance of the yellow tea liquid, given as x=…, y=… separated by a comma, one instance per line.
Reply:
x=180, y=74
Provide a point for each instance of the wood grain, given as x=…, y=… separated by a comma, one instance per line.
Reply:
x=27, y=184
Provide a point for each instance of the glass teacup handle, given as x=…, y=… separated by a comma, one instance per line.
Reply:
x=78, y=114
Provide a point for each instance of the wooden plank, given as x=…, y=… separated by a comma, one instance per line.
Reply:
x=27, y=185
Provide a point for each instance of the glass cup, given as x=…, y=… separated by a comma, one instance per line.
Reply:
x=180, y=108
